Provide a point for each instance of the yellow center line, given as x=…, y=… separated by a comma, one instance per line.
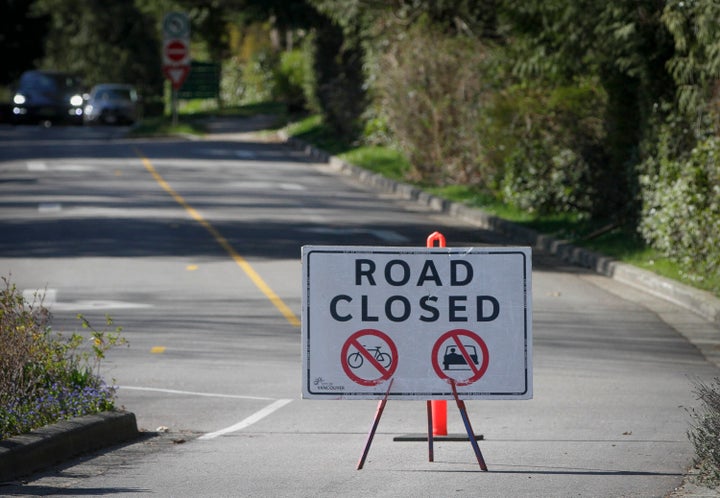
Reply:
x=239, y=260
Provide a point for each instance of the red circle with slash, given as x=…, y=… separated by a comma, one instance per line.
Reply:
x=464, y=356
x=373, y=356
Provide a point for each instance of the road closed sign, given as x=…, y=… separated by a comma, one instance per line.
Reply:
x=425, y=318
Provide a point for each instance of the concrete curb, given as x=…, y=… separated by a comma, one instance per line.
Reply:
x=22, y=455
x=703, y=303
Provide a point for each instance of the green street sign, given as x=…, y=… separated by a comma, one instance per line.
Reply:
x=203, y=82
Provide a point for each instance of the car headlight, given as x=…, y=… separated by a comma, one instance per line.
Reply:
x=19, y=99
x=76, y=100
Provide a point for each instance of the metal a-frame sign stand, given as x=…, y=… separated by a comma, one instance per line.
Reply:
x=440, y=239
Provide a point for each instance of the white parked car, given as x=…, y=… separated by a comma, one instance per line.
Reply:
x=112, y=103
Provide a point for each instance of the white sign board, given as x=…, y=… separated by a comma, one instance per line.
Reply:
x=424, y=317
x=176, y=48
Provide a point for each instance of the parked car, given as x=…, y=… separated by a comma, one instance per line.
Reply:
x=112, y=103
x=48, y=96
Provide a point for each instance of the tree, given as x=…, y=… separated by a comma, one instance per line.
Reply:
x=626, y=45
x=103, y=42
x=22, y=38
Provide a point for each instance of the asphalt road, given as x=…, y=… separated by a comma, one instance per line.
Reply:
x=193, y=247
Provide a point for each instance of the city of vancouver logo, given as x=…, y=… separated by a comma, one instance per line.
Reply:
x=322, y=385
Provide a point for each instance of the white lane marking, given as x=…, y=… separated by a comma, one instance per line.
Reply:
x=193, y=393
x=260, y=185
x=291, y=186
x=49, y=298
x=49, y=207
x=243, y=154
x=385, y=235
x=36, y=166
x=35, y=296
x=255, y=417
x=73, y=167
x=98, y=305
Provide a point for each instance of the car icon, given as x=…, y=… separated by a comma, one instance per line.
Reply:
x=453, y=357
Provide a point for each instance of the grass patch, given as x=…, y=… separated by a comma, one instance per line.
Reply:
x=163, y=126
x=383, y=160
x=193, y=115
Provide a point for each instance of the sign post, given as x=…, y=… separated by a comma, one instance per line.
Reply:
x=176, y=54
x=432, y=323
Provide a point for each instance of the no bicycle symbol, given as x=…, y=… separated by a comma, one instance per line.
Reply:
x=464, y=357
x=369, y=357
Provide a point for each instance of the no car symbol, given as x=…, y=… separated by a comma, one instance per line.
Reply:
x=464, y=357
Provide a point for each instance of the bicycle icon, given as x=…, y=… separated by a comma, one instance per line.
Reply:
x=355, y=360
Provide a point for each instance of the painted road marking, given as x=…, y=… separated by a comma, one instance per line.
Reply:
x=384, y=235
x=36, y=166
x=46, y=296
x=291, y=186
x=260, y=185
x=98, y=305
x=255, y=417
x=49, y=207
x=194, y=393
x=49, y=299
x=239, y=260
x=243, y=154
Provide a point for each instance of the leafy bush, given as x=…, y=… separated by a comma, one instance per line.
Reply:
x=547, y=143
x=290, y=79
x=431, y=91
x=43, y=376
x=258, y=77
x=705, y=432
x=681, y=198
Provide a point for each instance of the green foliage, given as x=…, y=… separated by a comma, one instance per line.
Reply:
x=622, y=45
x=431, y=90
x=290, y=77
x=547, y=144
x=338, y=86
x=681, y=206
x=45, y=377
x=705, y=432
x=103, y=42
x=385, y=160
x=258, y=77
x=695, y=64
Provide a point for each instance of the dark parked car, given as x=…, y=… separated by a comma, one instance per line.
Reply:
x=112, y=103
x=48, y=96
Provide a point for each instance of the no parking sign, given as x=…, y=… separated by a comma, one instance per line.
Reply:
x=424, y=317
